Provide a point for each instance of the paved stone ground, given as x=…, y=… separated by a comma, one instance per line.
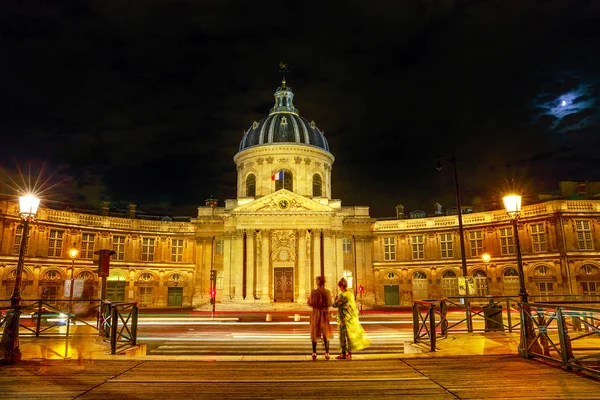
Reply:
x=452, y=377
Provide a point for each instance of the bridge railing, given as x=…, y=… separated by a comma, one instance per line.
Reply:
x=116, y=322
x=564, y=333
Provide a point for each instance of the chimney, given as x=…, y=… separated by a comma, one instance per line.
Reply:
x=131, y=210
x=399, y=211
x=104, y=209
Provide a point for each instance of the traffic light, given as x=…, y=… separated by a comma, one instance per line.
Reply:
x=361, y=288
x=213, y=295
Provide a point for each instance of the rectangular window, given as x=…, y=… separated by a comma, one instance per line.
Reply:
x=538, y=238
x=119, y=248
x=347, y=245
x=584, y=235
x=507, y=242
x=389, y=249
x=148, y=249
x=446, y=245
x=589, y=288
x=146, y=296
x=87, y=245
x=219, y=244
x=219, y=282
x=177, y=250
x=55, y=243
x=476, y=242
x=418, y=247
x=18, y=240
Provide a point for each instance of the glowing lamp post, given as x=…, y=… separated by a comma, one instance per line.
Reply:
x=73, y=254
x=485, y=257
x=28, y=207
x=512, y=204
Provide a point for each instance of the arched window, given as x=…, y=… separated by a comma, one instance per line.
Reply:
x=251, y=185
x=481, y=283
x=590, y=287
x=449, y=284
x=510, y=279
x=145, y=277
x=287, y=182
x=419, y=286
x=317, y=185
x=86, y=276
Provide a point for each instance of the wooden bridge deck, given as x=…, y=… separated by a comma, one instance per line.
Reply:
x=457, y=377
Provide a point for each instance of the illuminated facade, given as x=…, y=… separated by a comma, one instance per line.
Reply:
x=283, y=229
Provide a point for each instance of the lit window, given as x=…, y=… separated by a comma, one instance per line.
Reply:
x=146, y=277
x=507, y=244
x=18, y=239
x=389, y=249
x=418, y=247
x=148, y=249
x=51, y=275
x=510, y=279
x=220, y=244
x=287, y=182
x=446, y=245
x=177, y=250
x=449, y=284
x=251, y=185
x=584, y=235
x=317, y=185
x=87, y=245
x=146, y=295
x=347, y=245
x=119, y=248
x=538, y=238
x=476, y=242
x=55, y=243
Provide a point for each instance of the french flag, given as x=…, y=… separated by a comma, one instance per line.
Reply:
x=278, y=176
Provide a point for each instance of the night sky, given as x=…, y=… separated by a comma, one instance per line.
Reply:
x=146, y=101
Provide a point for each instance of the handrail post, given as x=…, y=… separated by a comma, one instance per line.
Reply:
x=416, y=323
x=38, y=321
x=432, y=333
x=134, y=324
x=563, y=335
x=113, y=330
x=469, y=316
x=444, y=316
x=509, y=312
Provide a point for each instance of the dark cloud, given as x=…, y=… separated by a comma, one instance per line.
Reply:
x=147, y=102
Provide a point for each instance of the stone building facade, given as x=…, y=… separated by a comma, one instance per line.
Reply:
x=283, y=229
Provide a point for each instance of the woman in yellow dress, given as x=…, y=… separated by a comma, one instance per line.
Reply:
x=352, y=334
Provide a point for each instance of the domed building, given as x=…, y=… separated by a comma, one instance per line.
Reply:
x=265, y=247
x=283, y=229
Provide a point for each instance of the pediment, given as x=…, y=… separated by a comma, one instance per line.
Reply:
x=283, y=201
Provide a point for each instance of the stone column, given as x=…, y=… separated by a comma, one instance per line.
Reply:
x=339, y=258
x=302, y=269
x=265, y=268
x=250, y=282
x=237, y=270
x=329, y=258
x=160, y=301
x=310, y=275
x=317, y=256
x=227, y=291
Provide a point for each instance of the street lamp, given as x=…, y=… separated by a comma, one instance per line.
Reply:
x=485, y=257
x=73, y=254
x=512, y=203
x=463, y=255
x=28, y=206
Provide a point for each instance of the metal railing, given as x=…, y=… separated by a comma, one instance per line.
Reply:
x=116, y=322
x=567, y=334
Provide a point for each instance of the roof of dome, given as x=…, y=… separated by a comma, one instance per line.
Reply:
x=284, y=125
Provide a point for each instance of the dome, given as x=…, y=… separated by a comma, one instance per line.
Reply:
x=284, y=125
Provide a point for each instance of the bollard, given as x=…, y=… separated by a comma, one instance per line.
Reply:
x=268, y=317
x=296, y=317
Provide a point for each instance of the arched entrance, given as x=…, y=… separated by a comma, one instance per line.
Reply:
x=391, y=288
x=115, y=287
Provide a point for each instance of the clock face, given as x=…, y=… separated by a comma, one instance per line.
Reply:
x=283, y=204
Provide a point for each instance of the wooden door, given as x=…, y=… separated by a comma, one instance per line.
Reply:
x=284, y=284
